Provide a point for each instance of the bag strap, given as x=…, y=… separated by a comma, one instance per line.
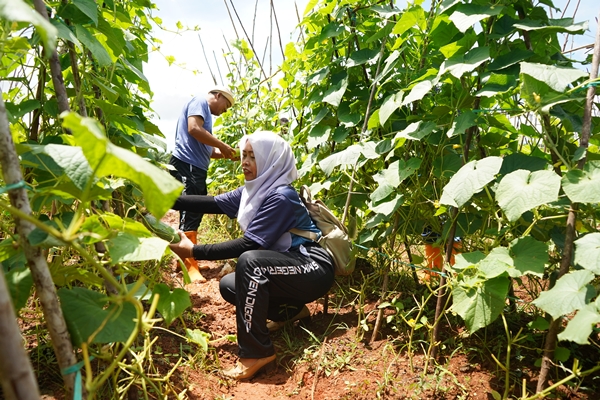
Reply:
x=305, y=234
x=305, y=194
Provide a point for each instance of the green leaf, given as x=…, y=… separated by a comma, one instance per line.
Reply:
x=469, y=180
x=89, y=8
x=19, y=283
x=530, y=256
x=570, y=293
x=418, y=92
x=361, y=57
x=497, y=84
x=390, y=63
x=390, y=104
x=159, y=187
x=479, y=306
x=517, y=161
x=467, y=15
x=332, y=29
x=335, y=93
x=389, y=207
x=199, y=337
x=127, y=247
x=540, y=324
x=416, y=131
x=67, y=162
x=349, y=156
x=582, y=325
x=583, y=186
x=587, y=252
x=464, y=121
x=564, y=25
x=461, y=64
x=348, y=118
x=87, y=314
x=18, y=10
x=319, y=135
x=511, y=58
x=523, y=190
x=465, y=260
x=64, y=32
x=171, y=304
x=557, y=78
x=415, y=17
x=497, y=262
x=90, y=42
x=391, y=177
x=18, y=110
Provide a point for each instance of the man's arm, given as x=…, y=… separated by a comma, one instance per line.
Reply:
x=196, y=130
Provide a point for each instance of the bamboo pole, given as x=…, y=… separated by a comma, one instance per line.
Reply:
x=250, y=41
x=16, y=372
x=57, y=327
x=55, y=69
x=565, y=262
x=206, y=59
x=278, y=30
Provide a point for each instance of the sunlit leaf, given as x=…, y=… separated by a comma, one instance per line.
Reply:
x=571, y=292
x=391, y=177
x=349, y=156
x=583, y=186
x=390, y=104
x=18, y=10
x=469, y=180
x=409, y=19
x=335, y=93
x=199, y=337
x=587, y=252
x=461, y=64
x=159, y=187
x=126, y=247
x=565, y=25
x=581, y=326
x=530, y=256
x=463, y=122
x=479, y=306
x=418, y=92
x=466, y=15
x=361, y=57
x=523, y=190
x=557, y=78
x=497, y=84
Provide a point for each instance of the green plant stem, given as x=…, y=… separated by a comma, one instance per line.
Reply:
x=574, y=374
x=143, y=324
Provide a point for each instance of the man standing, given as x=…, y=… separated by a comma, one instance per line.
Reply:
x=195, y=145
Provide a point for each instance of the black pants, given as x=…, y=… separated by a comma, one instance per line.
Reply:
x=273, y=285
x=194, y=182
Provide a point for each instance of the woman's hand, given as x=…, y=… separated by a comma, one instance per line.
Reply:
x=184, y=247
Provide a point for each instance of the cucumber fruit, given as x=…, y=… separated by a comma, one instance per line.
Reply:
x=160, y=229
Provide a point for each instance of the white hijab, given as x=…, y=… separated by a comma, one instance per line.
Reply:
x=275, y=166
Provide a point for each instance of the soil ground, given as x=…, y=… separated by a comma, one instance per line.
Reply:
x=331, y=358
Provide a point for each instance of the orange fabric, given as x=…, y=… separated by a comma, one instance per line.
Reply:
x=190, y=263
x=435, y=256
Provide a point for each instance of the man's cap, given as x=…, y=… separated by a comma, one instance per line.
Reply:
x=225, y=92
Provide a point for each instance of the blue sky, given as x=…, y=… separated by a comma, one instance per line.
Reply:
x=174, y=85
